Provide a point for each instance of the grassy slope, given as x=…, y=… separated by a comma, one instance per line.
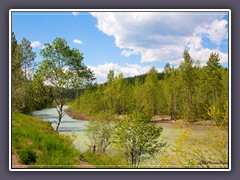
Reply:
x=31, y=135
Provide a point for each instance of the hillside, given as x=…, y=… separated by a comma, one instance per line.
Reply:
x=36, y=145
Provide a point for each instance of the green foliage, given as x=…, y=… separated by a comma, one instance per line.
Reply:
x=190, y=92
x=27, y=156
x=63, y=68
x=138, y=138
x=219, y=116
x=150, y=102
x=104, y=160
x=28, y=57
x=172, y=88
x=99, y=131
x=110, y=76
x=27, y=92
x=211, y=151
x=189, y=77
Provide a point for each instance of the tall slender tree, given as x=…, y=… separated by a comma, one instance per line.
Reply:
x=150, y=91
x=28, y=57
x=188, y=77
x=63, y=68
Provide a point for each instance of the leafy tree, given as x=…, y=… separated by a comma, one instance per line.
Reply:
x=63, y=68
x=150, y=87
x=213, y=78
x=110, y=76
x=28, y=57
x=16, y=56
x=41, y=94
x=138, y=137
x=26, y=95
x=16, y=71
x=22, y=62
x=173, y=88
x=216, y=88
x=188, y=79
x=115, y=93
x=91, y=102
x=99, y=132
x=138, y=93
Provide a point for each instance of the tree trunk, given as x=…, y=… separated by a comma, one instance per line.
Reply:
x=58, y=124
x=175, y=106
x=60, y=115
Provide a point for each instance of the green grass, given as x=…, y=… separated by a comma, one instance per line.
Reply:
x=39, y=146
x=105, y=160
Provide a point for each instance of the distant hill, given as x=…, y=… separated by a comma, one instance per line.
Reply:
x=142, y=77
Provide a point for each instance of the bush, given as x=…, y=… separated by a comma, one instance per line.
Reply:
x=27, y=156
x=138, y=137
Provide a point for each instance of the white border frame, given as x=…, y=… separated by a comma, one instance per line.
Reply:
x=121, y=10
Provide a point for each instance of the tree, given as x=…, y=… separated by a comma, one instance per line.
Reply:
x=172, y=81
x=110, y=76
x=215, y=89
x=150, y=87
x=63, y=68
x=91, y=101
x=115, y=93
x=99, y=131
x=188, y=78
x=213, y=77
x=16, y=71
x=138, y=136
x=15, y=62
x=22, y=64
x=28, y=57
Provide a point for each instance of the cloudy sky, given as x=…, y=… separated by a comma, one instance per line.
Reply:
x=128, y=42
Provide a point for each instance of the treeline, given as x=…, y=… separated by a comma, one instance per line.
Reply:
x=189, y=92
x=28, y=91
x=142, y=77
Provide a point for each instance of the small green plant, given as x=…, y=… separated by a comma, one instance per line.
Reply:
x=27, y=156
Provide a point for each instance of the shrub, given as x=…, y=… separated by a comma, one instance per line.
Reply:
x=27, y=156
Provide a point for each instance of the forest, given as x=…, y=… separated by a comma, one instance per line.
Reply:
x=189, y=92
x=122, y=111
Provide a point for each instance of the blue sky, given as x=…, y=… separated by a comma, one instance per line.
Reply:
x=128, y=42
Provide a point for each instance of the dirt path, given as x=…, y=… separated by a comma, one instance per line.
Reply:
x=17, y=165
x=85, y=165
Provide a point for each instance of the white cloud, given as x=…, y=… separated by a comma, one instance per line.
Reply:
x=161, y=36
x=216, y=31
x=77, y=41
x=75, y=13
x=128, y=53
x=128, y=70
x=203, y=55
x=35, y=44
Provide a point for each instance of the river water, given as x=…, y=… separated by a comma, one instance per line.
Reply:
x=75, y=128
x=71, y=127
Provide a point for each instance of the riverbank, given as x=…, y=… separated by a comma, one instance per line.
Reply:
x=35, y=144
x=75, y=114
